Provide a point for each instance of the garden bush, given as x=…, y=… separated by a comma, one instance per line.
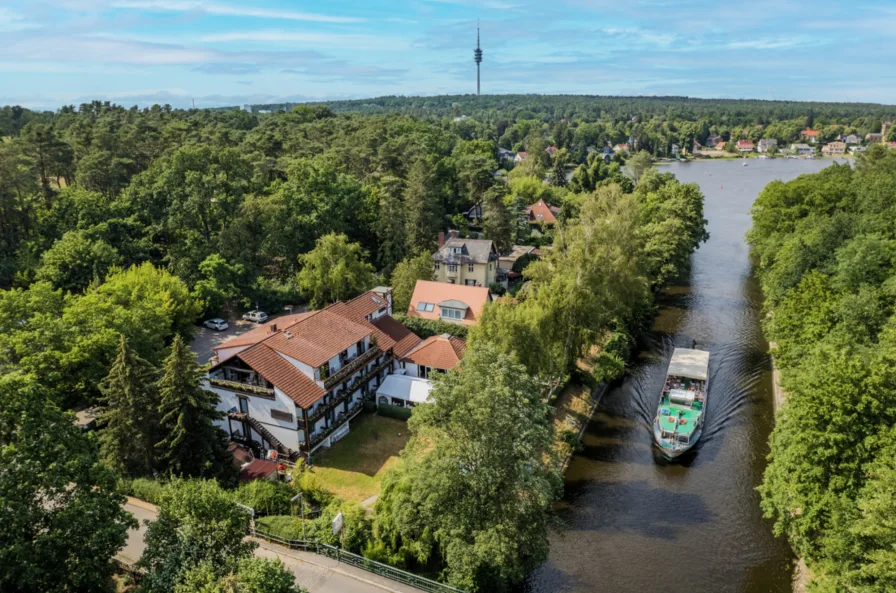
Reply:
x=426, y=328
x=143, y=489
x=391, y=411
x=266, y=497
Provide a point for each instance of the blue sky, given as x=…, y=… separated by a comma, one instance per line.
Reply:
x=223, y=52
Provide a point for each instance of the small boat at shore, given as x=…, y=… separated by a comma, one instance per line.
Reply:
x=681, y=412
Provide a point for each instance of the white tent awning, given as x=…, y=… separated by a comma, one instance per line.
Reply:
x=693, y=364
x=406, y=388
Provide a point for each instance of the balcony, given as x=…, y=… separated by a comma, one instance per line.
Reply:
x=352, y=366
x=317, y=437
x=240, y=387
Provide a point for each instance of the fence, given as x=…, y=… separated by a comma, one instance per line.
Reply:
x=384, y=570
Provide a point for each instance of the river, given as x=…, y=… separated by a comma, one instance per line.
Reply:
x=631, y=522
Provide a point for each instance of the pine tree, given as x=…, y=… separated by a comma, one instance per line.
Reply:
x=425, y=212
x=191, y=444
x=496, y=223
x=391, y=228
x=129, y=415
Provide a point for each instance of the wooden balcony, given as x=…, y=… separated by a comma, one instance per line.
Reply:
x=351, y=366
x=246, y=388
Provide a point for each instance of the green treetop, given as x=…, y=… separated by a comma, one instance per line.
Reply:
x=334, y=270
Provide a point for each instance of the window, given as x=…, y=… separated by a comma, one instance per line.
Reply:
x=452, y=267
x=456, y=250
x=438, y=266
x=423, y=307
x=470, y=267
x=452, y=313
x=281, y=415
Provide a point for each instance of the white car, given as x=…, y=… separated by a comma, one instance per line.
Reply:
x=256, y=316
x=216, y=324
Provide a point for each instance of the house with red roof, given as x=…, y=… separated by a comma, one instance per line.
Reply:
x=620, y=148
x=542, y=213
x=520, y=157
x=551, y=150
x=294, y=384
x=810, y=136
x=411, y=386
x=745, y=145
x=442, y=301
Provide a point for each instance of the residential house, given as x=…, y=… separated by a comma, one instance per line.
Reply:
x=801, y=149
x=297, y=387
x=474, y=214
x=542, y=213
x=851, y=138
x=721, y=145
x=834, y=148
x=745, y=145
x=505, y=155
x=506, y=275
x=472, y=262
x=551, y=150
x=810, y=136
x=714, y=140
x=620, y=148
x=436, y=354
x=765, y=144
x=696, y=147
x=874, y=137
x=676, y=151
x=448, y=302
x=520, y=157
x=857, y=149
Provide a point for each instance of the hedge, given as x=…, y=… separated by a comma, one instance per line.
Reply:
x=142, y=489
x=426, y=328
x=391, y=411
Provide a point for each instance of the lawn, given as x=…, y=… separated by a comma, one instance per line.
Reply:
x=354, y=468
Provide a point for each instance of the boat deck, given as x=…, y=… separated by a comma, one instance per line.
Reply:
x=682, y=419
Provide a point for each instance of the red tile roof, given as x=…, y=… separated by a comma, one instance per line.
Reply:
x=404, y=339
x=541, y=211
x=319, y=337
x=261, y=332
x=811, y=133
x=522, y=155
x=475, y=297
x=257, y=470
x=440, y=352
x=285, y=377
x=745, y=144
x=366, y=304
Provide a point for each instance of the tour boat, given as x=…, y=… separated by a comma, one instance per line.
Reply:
x=681, y=412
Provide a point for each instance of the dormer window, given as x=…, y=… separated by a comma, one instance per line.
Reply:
x=454, y=314
x=456, y=250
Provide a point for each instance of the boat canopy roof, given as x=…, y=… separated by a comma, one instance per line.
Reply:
x=693, y=364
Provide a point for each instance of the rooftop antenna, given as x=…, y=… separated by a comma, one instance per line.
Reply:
x=477, y=56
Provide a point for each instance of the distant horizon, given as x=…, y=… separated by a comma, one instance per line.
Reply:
x=472, y=96
x=224, y=53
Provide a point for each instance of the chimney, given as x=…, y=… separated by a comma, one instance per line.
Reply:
x=273, y=328
x=441, y=239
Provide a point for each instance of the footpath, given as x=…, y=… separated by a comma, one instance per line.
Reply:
x=316, y=573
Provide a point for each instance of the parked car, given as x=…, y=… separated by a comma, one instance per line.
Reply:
x=216, y=324
x=256, y=316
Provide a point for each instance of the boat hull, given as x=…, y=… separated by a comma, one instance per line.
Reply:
x=671, y=453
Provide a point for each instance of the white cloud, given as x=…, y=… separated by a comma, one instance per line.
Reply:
x=220, y=9
x=13, y=21
x=347, y=40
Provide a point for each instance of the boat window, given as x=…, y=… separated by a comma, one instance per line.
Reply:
x=682, y=438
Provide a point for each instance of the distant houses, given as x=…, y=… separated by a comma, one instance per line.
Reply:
x=874, y=137
x=833, y=148
x=810, y=136
x=520, y=157
x=676, y=151
x=542, y=213
x=802, y=149
x=714, y=140
x=766, y=144
x=745, y=145
x=620, y=148
x=471, y=262
x=851, y=138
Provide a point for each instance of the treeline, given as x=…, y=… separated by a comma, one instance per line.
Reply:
x=826, y=249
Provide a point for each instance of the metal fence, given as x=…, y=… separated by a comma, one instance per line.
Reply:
x=384, y=570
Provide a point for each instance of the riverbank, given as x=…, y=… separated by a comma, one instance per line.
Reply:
x=801, y=573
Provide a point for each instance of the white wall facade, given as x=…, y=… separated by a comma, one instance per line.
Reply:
x=260, y=408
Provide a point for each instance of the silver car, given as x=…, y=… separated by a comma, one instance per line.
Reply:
x=256, y=316
x=216, y=324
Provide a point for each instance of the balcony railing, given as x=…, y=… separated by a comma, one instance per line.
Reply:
x=247, y=388
x=348, y=390
x=340, y=420
x=352, y=366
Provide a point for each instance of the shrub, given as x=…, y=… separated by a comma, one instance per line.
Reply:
x=143, y=489
x=282, y=526
x=266, y=497
x=426, y=328
x=391, y=411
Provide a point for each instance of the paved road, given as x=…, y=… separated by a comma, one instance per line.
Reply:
x=316, y=573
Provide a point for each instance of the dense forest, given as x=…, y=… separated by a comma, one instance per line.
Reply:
x=826, y=247
x=122, y=228
x=649, y=123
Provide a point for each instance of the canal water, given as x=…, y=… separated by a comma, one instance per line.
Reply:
x=631, y=522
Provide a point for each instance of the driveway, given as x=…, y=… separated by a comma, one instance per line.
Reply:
x=206, y=338
x=318, y=574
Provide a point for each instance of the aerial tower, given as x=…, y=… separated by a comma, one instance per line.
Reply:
x=477, y=57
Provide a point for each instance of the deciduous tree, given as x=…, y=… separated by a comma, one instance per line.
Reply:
x=334, y=270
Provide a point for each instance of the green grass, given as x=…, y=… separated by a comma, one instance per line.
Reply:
x=283, y=526
x=354, y=468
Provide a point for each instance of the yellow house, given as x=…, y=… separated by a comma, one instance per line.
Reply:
x=470, y=262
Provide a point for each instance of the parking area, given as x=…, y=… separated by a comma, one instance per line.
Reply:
x=206, y=339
